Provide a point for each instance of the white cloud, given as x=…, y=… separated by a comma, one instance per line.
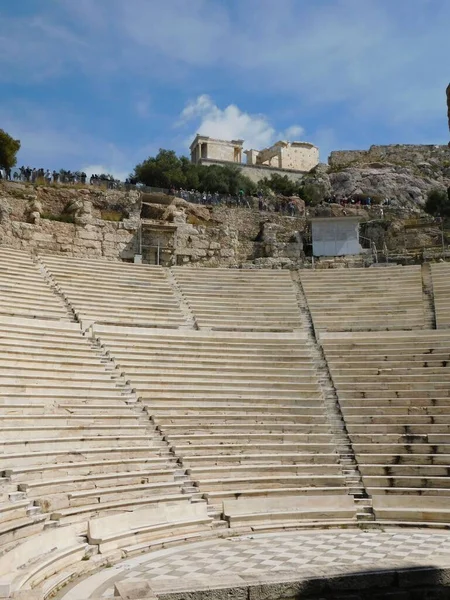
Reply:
x=383, y=58
x=293, y=133
x=231, y=123
x=380, y=62
x=105, y=170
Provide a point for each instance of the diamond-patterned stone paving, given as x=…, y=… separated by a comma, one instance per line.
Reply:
x=271, y=553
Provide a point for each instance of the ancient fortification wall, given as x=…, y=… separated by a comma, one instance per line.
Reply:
x=257, y=172
x=403, y=154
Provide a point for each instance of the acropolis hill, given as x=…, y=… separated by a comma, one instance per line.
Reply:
x=91, y=222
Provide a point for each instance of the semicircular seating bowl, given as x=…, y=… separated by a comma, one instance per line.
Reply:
x=131, y=430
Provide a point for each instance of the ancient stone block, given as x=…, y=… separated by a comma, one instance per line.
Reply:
x=133, y=590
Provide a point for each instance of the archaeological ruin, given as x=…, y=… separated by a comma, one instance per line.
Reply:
x=162, y=423
x=287, y=158
x=241, y=400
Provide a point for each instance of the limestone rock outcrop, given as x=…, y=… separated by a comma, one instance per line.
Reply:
x=405, y=187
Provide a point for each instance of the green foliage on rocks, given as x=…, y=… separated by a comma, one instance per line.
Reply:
x=438, y=203
x=166, y=170
x=9, y=147
x=280, y=184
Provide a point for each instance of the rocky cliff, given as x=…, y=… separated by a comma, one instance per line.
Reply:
x=402, y=174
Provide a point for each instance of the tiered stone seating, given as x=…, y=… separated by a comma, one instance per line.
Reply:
x=114, y=292
x=440, y=273
x=243, y=411
x=71, y=450
x=240, y=299
x=394, y=391
x=23, y=289
x=365, y=299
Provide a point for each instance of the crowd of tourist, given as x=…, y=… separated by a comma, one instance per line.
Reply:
x=34, y=175
x=284, y=206
x=357, y=201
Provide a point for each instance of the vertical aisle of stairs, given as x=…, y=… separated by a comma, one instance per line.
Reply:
x=191, y=323
x=126, y=391
x=132, y=400
x=429, y=312
x=55, y=288
x=347, y=459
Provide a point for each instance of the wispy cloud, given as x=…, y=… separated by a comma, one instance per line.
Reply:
x=348, y=72
x=232, y=123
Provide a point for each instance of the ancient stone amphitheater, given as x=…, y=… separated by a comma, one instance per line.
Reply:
x=197, y=427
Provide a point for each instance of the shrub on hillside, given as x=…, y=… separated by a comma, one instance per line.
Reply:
x=438, y=203
x=280, y=184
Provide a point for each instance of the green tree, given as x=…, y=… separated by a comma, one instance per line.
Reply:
x=438, y=203
x=9, y=147
x=280, y=184
x=227, y=179
x=191, y=174
x=312, y=193
x=164, y=170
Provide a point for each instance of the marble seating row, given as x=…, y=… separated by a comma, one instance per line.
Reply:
x=440, y=274
x=52, y=558
x=119, y=293
x=264, y=514
x=23, y=289
x=365, y=299
x=240, y=299
x=393, y=388
x=255, y=428
x=74, y=447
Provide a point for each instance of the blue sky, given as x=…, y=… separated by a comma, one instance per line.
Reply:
x=102, y=84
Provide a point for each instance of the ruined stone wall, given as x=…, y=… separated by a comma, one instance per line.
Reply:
x=72, y=221
x=401, y=154
x=300, y=158
x=107, y=240
x=187, y=233
x=257, y=172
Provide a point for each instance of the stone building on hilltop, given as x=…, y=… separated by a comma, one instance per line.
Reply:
x=297, y=156
x=286, y=158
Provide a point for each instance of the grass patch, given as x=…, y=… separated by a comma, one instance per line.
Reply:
x=111, y=215
x=61, y=218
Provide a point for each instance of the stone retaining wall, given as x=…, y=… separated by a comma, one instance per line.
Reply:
x=257, y=172
x=326, y=583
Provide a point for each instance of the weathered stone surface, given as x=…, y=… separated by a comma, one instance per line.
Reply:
x=133, y=590
x=200, y=213
x=398, y=154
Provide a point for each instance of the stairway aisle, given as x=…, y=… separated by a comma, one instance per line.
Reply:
x=428, y=297
x=363, y=501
